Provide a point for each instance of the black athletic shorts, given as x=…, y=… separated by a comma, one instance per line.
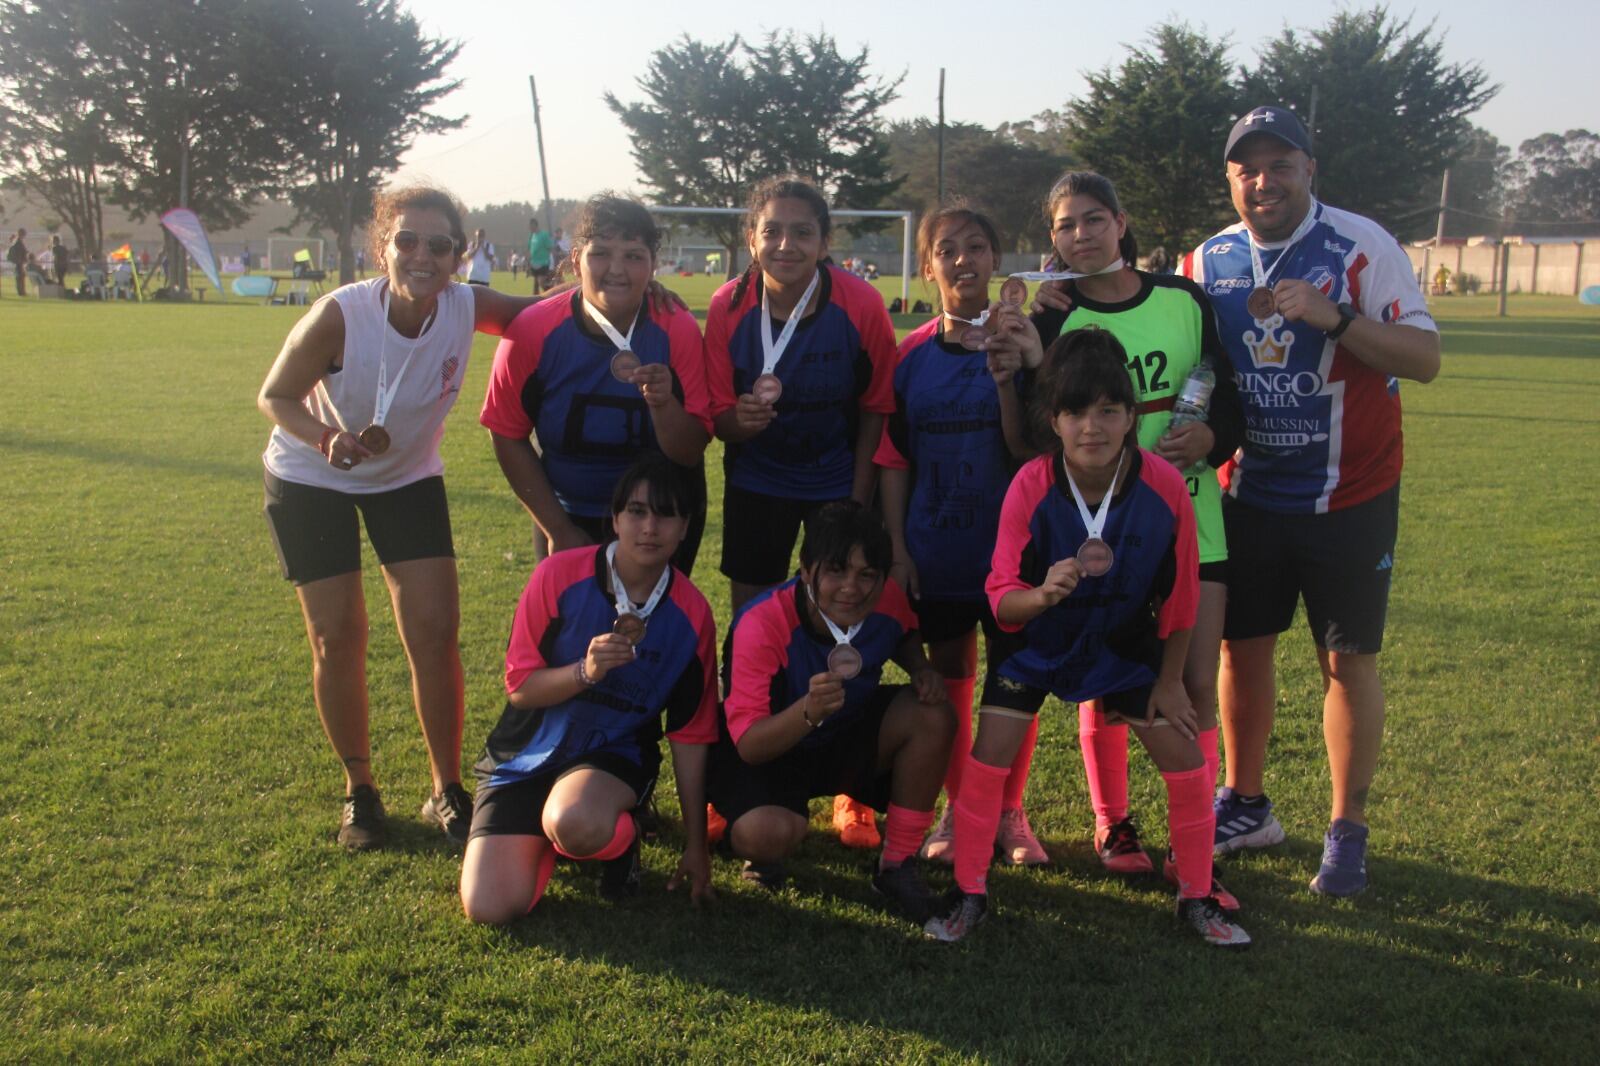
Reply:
x=1015, y=696
x=1340, y=562
x=939, y=620
x=845, y=764
x=318, y=535
x=517, y=809
x=758, y=534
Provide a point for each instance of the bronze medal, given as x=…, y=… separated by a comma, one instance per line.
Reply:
x=630, y=627
x=374, y=439
x=1261, y=304
x=973, y=338
x=844, y=662
x=1014, y=292
x=767, y=388
x=623, y=364
x=1094, y=555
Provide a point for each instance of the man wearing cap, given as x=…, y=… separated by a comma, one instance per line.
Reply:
x=1321, y=315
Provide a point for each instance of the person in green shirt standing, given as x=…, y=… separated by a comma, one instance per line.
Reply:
x=539, y=256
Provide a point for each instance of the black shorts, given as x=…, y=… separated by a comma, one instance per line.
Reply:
x=758, y=534
x=1016, y=696
x=939, y=620
x=517, y=809
x=1340, y=562
x=845, y=764
x=318, y=536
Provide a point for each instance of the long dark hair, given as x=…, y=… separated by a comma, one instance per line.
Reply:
x=784, y=187
x=1099, y=187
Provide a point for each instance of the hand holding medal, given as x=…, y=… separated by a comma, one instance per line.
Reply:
x=633, y=621
x=844, y=661
x=624, y=363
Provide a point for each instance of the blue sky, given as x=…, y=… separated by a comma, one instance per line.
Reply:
x=1003, y=62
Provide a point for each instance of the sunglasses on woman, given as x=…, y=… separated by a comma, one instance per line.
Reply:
x=439, y=244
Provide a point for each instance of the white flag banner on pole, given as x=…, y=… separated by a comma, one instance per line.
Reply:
x=184, y=224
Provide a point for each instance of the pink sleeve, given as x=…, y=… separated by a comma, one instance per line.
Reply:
x=688, y=356
x=877, y=338
x=515, y=361
x=718, y=361
x=760, y=653
x=702, y=727
x=893, y=603
x=887, y=455
x=1005, y=570
x=535, y=609
x=1179, y=609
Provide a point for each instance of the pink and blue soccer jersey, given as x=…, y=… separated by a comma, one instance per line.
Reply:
x=1104, y=637
x=1322, y=429
x=946, y=430
x=837, y=364
x=776, y=652
x=552, y=377
x=567, y=603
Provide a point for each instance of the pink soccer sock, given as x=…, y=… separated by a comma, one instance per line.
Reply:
x=1105, y=763
x=1207, y=740
x=903, y=831
x=977, y=817
x=620, y=839
x=543, y=867
x=960, y=692
x=1017, y=780
x=1191, y=825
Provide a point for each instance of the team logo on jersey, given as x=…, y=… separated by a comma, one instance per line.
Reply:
x=447, y=370
x=1222, y=286
x=1322, y=280
x=1271, y=346
x=1220, y=249
x=1391, y=311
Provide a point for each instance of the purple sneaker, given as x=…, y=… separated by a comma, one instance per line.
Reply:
x=1241, y=825
x=1344, y=860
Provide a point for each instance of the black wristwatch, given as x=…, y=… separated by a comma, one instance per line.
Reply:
x=1347, y=315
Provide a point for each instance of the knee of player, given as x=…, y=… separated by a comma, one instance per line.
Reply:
x=337, y=642
x=766, y=833
x=580, y=830
x=490, y=905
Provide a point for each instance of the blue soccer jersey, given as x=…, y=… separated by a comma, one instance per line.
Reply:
x=836, y=366
x=567, y=603
x=945, y=430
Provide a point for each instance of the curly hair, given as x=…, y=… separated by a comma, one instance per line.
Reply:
x=390, y=204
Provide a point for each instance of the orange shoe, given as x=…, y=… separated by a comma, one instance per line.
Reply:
x=856, y=822
x=716, y=826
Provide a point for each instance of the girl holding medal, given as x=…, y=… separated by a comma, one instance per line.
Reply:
x=1166, y=325
x=1095, y=567
x=799, y=355
x=806, y=715
x=606, y=641
x=358, y=397
x=947, y=456
x=598, y=377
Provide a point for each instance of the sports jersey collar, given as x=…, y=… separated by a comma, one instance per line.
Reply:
x=1059, y=471
x=824, y=294
x=800, y=597
x=602, y=576
x=1146, y=287
x=590, y=332
x=1314, y=213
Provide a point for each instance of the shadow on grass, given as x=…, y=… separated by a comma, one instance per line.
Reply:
x=1428, y=964
x=63, y=448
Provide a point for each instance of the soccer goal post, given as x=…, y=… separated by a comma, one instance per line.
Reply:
x=281, y=252
x=907, y=226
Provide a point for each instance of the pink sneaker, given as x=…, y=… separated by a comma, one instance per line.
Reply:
x=1120, y=851
x=941, y=843
x=1015, y=840
x=856, y=822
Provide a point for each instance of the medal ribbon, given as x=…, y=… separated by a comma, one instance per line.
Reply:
x=385, y=397
x=772, y=350
x=608, y=329
x=980, y=320
x=840, y=636
x=1097, y=522
x=1066, y=275
x=1263, y=279
x=619, y=592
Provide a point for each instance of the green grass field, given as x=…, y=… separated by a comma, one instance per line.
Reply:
x=170, y=888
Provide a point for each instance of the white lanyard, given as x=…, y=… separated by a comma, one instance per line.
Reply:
x=385, y=397
x=772, y=350
x=1097, y=522
x=840, y=636
x=1066, y=275
x=980, y=320
x=619, y=591
x=1262, y=280
x=609, y=330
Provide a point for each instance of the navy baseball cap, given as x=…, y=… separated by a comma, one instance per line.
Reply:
x=1277, y=122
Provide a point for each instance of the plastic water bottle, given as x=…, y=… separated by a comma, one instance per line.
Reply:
x=1194, y=401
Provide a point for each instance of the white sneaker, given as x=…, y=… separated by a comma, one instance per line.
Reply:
x=941, y=843
x=1015, y=840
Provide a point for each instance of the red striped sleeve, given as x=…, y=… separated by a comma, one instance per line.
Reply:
x=865, y=308
x=702, y=728
x=515, y=361
x=538, y=607
x=760, y=653
x=1016, y=513
x=720, y=320
x=687, y=355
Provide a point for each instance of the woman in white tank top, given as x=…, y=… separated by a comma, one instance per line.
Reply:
x=358, y=397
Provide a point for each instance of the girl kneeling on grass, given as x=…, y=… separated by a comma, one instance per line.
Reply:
x=606, y=640
x=947, y=456
x=1096, y=565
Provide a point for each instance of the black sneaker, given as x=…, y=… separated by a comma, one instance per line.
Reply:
x=962, y=911
x=619, y=877
x=769, y=875
x=450, y=810
x=363, y=826
x=903, y=887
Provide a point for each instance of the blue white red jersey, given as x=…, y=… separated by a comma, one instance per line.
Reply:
x=776, y=651
x=1104, y=637
x=1322, y=428
x=945, y=430
x=836, y=366
x=566, y=604
x=553, y=376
